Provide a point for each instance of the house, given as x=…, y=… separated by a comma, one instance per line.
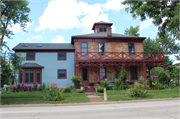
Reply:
x=94, y=57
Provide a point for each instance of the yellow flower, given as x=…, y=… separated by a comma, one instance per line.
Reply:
x=66, y=100
x=49, y=89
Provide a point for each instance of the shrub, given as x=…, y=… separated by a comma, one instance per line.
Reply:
x=123, y=77
x=100, y=89
x=104, y=83
x=67, y=89
x=172, y=83
x=116, y=85
x=163, y=78
x=54, y=95
x=79, y=90
x=164, y=86
x=141, y=80
x=156, y=85
x=76, y=80
x=137, y=90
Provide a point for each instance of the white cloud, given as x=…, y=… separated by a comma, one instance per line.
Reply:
x=146, y=24
x=113, y=29
x=58, y=39
x=17, y=28
x=37, y=37
x=113, y=5
x=73, y=14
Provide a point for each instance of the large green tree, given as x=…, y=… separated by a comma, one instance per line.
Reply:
x=13, y=12
x=157, y=10
x=132, y=31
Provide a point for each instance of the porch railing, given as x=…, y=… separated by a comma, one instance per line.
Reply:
x=146, y=56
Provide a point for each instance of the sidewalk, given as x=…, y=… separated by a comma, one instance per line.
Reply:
x=88, y=103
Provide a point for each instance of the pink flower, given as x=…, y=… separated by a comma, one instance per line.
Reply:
x=144, y=82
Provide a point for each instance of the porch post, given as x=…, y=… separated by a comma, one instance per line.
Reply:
x=144, y=68
x=101, y=72
x=149, y=73
x=164, y=66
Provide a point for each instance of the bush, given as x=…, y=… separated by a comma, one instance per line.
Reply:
x=123, y=77
x=104, y=83
x=172, y=83
x=67, y=89
x=116, y=85
x=54, y=95
x=79, y=90
x=164, y=86
x=76, y=80
x=100, y=89
x=163, y=78
x=137, y=90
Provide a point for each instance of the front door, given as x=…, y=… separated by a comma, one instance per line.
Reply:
x=85, y=76
x=133, y=72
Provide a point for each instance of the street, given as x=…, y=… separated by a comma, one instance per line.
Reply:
x=165, y=109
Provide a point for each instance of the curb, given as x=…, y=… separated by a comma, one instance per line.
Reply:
x=88, y=103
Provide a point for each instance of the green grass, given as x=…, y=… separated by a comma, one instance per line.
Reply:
x=152, y=94
x=36, y=97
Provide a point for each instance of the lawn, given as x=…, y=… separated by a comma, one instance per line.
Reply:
x=152, y=94
x=36, y=97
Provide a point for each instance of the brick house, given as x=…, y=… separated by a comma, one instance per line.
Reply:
x=101, y=55
x=94, y=57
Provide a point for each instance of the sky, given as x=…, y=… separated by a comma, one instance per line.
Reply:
x=55, y=21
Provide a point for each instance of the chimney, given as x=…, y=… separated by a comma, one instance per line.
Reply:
x=109, y=33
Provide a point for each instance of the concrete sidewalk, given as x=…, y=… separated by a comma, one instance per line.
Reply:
x=88, y=103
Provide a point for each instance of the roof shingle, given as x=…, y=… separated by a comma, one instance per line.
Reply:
x=45, y=46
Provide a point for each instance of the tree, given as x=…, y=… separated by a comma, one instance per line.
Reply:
x=6, y=72
x=132, y=31
x=158, y=11
x=16, y=61
x=13, y=12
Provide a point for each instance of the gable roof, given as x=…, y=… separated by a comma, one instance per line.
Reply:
x=44, y=46
x=31, y=65
x=101, y=22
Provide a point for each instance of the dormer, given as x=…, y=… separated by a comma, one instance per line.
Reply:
x=101, y=27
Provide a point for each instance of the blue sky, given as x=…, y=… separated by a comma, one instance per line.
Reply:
x=55, y=21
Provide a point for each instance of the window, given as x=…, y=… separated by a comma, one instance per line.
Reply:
x=133, y=72
x=38, y=72
x=62, y=73
x=102, y=29
x=131, y=48
x=101, y=47
x=29, y=76
x=84, y=48
x=104, y=72
x=30, y=55
x=20, y=76
x=61, y=55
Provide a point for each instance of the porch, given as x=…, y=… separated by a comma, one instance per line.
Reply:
x=115, y=59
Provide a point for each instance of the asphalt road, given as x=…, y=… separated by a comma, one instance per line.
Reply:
x=166, y=109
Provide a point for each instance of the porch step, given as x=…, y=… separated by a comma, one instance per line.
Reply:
x=89, y=89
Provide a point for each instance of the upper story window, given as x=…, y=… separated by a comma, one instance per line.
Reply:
x=84, y=48
x=101, y=47
x=61, y=55
x=30, y=55
x=102, y=29
x=131, y=48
